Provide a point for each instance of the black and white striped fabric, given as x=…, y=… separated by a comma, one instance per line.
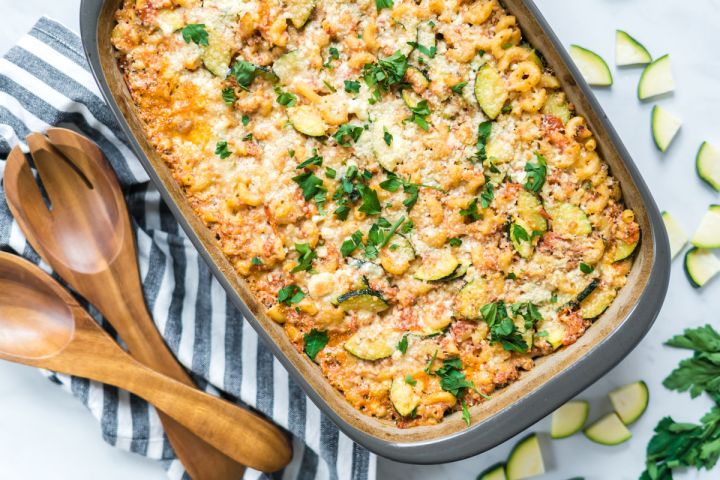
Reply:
x=45, y=81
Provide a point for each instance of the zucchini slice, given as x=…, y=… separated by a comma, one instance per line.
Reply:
x=217, y=55
x=403, y=397
x=609, y=430
x=569, y=419
x=623, y=250
x=490, y=91
x=701, y=265
x=367, y=344
x=630, y=401
x=707, y=164
x=665, y=126
x=365, y=299
x=410, y=98
x=555, y=334
x=388, y=156
x=307, y=120
x=707, y=234
x=557, y=106
x=526, y=459
x=597, y=302
x=437, y=266
x=678, y=237
x=569, y=219
x=592, y=66
x=629, y=51
x=657, y=79
x=288, y=66
x=396, y=257
x=525, y=248
x=530, y=210
x=299, y=11
x=471, y=298
x=495, y=472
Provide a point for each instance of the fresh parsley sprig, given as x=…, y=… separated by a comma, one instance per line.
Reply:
x=315, y=341
x=502, y=328
x=412, y=190
x=385, y=74
x=196, y=33
x=536, y=173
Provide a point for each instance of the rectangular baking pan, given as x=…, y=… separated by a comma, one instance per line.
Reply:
x=555, y=378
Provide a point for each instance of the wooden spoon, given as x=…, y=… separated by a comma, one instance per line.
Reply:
x=86, y=238
x=43, y=326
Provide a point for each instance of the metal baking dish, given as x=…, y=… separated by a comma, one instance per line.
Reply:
x=555, y=378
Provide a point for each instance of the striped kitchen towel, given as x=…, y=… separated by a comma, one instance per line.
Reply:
x=45, y=81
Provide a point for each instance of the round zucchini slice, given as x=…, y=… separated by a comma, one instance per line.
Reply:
x=708, y=233
x=701, y=265
x=299, y=11
x=288, y=66
x=665, y=127
x=437, y=266
x=369, y=344
x=597, y=302
x=678, y=237
x=569, y=219
x=569, y=419
x=307, y=120
x=623, y=250
x=365, y=299
x=397, y=256
x=403, y=397
x=592, y=66
x=609, y=430
x=707, y=164
x=217, y=55
x=657, y=79
x=526, y=459
x=490, y=91
x=630, y=401
x=629, y=51
x=495, y=472
x=471, y=298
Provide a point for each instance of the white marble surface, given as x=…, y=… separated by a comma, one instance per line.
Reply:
x=44, y=433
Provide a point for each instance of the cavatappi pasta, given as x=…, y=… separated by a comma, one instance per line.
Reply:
x=403, y=184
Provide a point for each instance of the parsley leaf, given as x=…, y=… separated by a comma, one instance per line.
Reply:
x=314, y=342
x=387, y=137
x=385, y=74
x=412, y=190
x=307, y=255
x=196, y=33
x=502, y=328
x=703, y=339
x=285, y=99
x=487, y=195
x=530, y=313
x=402, y=345
x=334, y=55
x=221, y=149
x=452, y=377
x=351, y=244
x=380, y=4
x=311, y=186
x=465, y=412
x=370, y=203
x=244, y=73
x=290, y=295
x=228, y=96
x=483, y=135
x=419, y=114
x=471, y=212
x=352, y=86
x=245, y=120
x=458, y=88
x=409, y=379
x=347, y=132
x=536, y=173
x=314, y=160
x=256, y=261
x=518, y=234
x=428, y=52
x=454, y=242
x=585, y=268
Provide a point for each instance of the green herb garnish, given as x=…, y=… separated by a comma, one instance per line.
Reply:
x=585, y=268
x=307, y=255
x=228, y=96
x=314, y=342
x=196, y=33
x=536, y=173
x=221, y=149
x=352, y=86
x=290, y=295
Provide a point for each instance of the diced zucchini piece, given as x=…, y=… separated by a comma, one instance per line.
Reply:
x=437, y=266
x=426, y=38
x=708, y=233
x=630, y=401
x=623, y=250
x=629, y=51
x=490, y=91
x=657, y=79
x=597, y=302
x=365, y=299
x=609, y=430
x=288, y=66
x=701, y=265
x=396, y=257
x=678, y=237
x=707, y=164
x=307, y=120
x=217, y=55
x=495, y=472
x=369, y=344
x=299, y=11
x=530, y=210
x=569, y=419
x=555, y=333
x=471, y=298
x=665, y=127
x=557, y=106
x=526, y=459
x=403, y=397
x=592, y=66
x=410, y=98
x=569, y=219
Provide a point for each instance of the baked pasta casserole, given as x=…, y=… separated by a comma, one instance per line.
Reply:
x=402, y=183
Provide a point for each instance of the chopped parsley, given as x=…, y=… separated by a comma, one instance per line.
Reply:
x=458, y=88
x=314, y=342
x=483, y=135
x=247, y=137
x=387, y=137
x=412, y=190
x=529, y=312
x=221, y=149
x=402, y=345
x=196, y=33
x=312, y=187
x=471, y=213
x=427, y=51
x=351, y=244
x=502, y=329
x=228, y=96
x=407, y=227
x=452, y=379
x=370, y=203
x=380, y=4
x=409, y=379
x=518, y=234
x=245, y=120
x=378, y=237
x=314, y=160
x=349, y=191
x=536, y=173
x=420, y=112
x=290, y=295
x=285, y=99
x=487, y=195
x=454, y=242
x=345, y=133
x=256, y=261
x=334, y=54
x=307, y=255
x=329, y=86
x=352, y=86
x=330, y=173
x=387, y=73
x=585, y=268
